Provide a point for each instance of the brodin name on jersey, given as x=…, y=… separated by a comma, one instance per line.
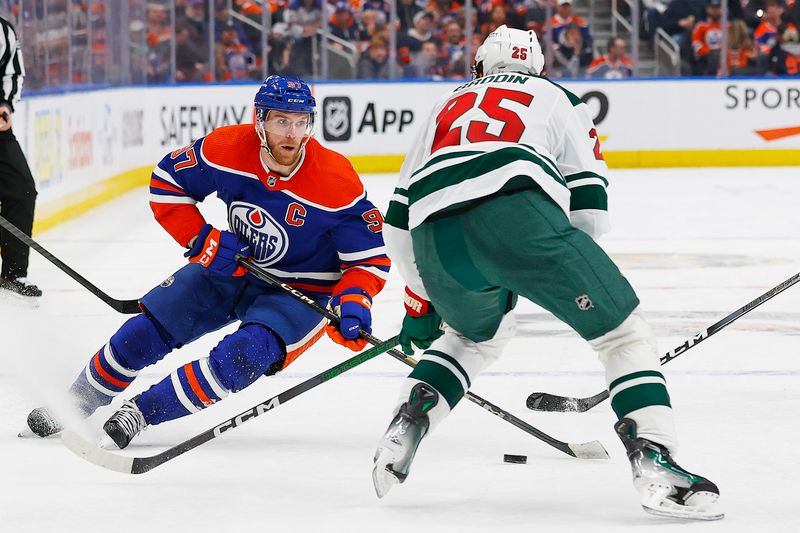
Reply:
x=267, y=239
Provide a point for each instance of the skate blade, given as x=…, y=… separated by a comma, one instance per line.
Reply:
x=706, y=508
x=383, y=479
x=28, y=434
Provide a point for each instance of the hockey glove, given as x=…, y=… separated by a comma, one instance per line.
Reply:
x=422, y=324
x=353, y=307
x=217, y=250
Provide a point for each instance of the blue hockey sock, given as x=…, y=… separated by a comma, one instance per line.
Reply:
x=115, y=366
x=236, y=362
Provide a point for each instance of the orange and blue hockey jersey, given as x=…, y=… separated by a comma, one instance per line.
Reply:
x=314, y=229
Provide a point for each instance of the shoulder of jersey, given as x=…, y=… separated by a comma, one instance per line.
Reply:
x=326, y=179
x=232, y=147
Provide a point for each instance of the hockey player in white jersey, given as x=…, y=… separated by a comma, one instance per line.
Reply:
x=503, y=194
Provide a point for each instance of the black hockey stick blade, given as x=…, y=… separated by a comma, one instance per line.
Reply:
x=139, y=465
x=543, y=401
x=586, y=450
x=129, y=307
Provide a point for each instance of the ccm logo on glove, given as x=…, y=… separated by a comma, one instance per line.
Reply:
x=217, y=250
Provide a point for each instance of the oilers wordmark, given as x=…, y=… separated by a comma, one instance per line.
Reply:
x=268, y=240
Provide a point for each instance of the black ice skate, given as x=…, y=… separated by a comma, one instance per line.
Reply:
x=399, y=445
x=666, y=488
x=19, y=289
x=123, y=425
x=41, y=423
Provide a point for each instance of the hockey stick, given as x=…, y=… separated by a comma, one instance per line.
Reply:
x=542, y=401
x=586, y=450
x=130, y=307
x=139, y=465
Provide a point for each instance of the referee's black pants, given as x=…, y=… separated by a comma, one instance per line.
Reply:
x=17, y=202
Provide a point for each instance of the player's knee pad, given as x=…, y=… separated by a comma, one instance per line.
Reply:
x=245, y=355
x=633, y=339
x=139, y=343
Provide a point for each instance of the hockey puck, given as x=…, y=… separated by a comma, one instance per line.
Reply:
x=515, y=459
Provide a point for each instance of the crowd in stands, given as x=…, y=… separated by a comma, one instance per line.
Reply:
x=762, y=35
x=431, y=38
x=223, y=39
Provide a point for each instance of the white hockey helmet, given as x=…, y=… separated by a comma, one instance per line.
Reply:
x=509, y=50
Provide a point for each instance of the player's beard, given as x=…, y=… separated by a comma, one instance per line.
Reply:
x=285, y=151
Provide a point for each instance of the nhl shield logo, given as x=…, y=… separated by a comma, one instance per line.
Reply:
x=336, y=118
x=167, y=282
x=584, y=302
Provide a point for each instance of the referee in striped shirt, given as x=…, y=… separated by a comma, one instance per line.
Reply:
x=17, y=188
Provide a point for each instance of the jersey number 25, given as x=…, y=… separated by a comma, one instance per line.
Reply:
x=477, y=130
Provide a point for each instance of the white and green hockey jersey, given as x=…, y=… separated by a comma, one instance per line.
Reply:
x=499, y=132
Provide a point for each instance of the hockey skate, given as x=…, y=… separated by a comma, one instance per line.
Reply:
x=19, y=289
x=399, y=445
x=123, y=425
x=666, y=488
x=41, y=423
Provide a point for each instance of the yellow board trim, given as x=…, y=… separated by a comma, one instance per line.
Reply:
x=378, y=164
x=69, y=206
x=702, y=158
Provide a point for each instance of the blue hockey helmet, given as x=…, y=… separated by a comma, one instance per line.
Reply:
x=283, y=93
x=289, y=95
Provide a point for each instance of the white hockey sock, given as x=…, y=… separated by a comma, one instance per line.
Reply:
x=636, y=385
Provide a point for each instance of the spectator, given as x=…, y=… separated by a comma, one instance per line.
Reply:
x=420, y=33
x=707, y=41
x=792, y=13
x=194, y=18
x=343, y=24
x=680, y=17
x=245, y=34
x=565, y=17
x=785, y=56
x=766, y=34
x=652, y=12
x=374, y=63
x=573, y=54
x=426, y=64
x=535, y=14
x=240, y=63
x=377, y=5
x=614, y=64
x=497, y=17
x=304, y=18
x=372, y=23
x=454, y=49
x=190, y=65
x=159, y=35
x=406, y=10
x=744, y=58
x=280, y=51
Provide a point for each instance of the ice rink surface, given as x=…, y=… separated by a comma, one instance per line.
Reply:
x=695, y=243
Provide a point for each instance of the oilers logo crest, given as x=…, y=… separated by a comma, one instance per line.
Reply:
x=267, y=239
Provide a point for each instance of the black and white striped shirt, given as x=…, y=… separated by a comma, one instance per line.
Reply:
x=12, y=70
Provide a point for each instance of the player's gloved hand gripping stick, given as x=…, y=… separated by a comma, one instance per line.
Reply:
x=353, y=306
x=217, y=250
